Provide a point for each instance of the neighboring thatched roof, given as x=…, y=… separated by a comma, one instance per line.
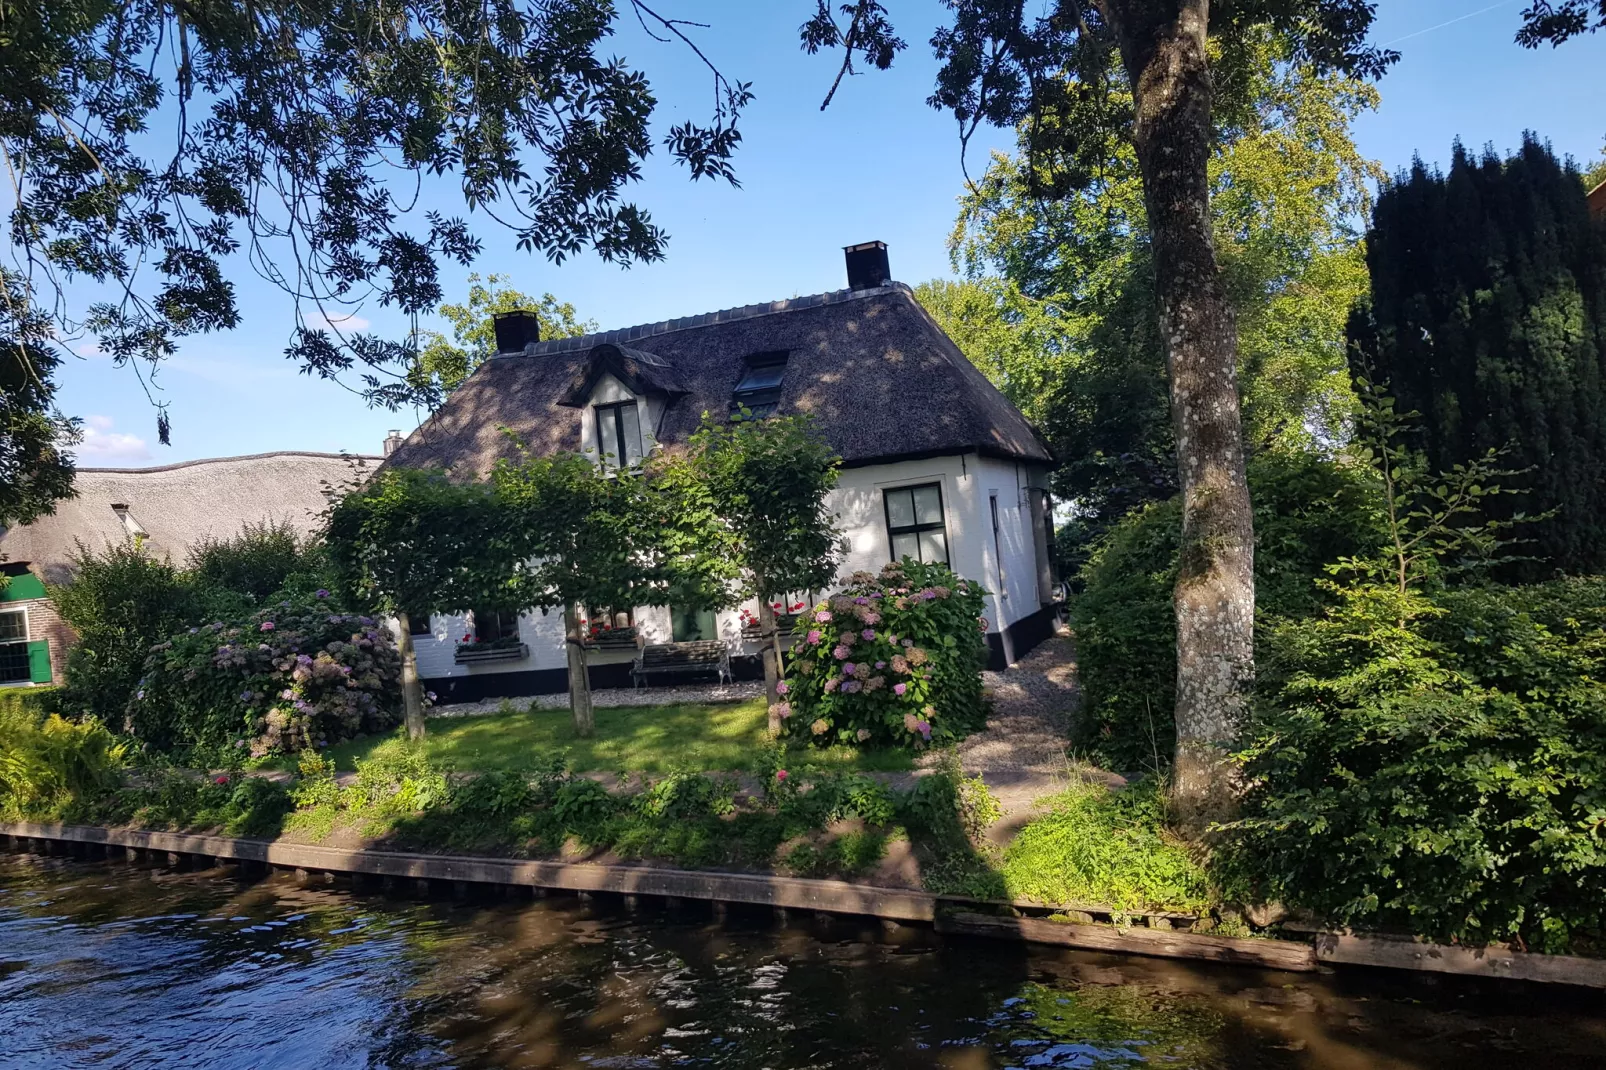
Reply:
x=178, y=505
x=875, y=370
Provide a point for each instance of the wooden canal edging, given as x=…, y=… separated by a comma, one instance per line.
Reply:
x=946, y=914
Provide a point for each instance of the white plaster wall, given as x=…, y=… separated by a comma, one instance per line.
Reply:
x=857, y=505
x=1011, y=569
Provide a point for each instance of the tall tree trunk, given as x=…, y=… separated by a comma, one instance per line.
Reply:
x=769, y=651
x=412, y=689
x=1163, y=48
x=585, y=722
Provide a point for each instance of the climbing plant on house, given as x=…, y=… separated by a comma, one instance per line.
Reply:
x=767, y=480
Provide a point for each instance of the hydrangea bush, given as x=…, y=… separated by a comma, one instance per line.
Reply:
x=286, y=678
x=892, y=659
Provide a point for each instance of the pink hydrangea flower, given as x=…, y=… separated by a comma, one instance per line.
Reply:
x=780, y=774
x=830, y=685
x=813, y=638
x=823, y=616
x=266, y=626
x=841, y=653
x=898, y=689
x=782, y=688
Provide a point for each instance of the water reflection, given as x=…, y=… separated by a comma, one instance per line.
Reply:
x=105, y=965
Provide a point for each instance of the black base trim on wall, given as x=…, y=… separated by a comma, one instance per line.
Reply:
x=1024, y=635
x=484, y=685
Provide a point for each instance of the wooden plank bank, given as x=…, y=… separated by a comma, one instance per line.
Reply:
x=946, y=914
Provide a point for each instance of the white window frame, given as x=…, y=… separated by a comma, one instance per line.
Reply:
x=27, y=637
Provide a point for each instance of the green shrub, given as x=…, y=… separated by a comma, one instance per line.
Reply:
x=1101, y=847
x=121, y=602
x=231, y=805
x=53, y=768
x=284, y=678
x=37, y=702
x=398, y=777
x=894, y=658
x=1308, y=513
x=1437, y=763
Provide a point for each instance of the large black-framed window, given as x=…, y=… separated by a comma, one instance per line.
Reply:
x=495, y=625
x=915, y=525
x=14, y=647
x=619, y=434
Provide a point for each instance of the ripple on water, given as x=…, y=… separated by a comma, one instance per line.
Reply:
x=104, y=966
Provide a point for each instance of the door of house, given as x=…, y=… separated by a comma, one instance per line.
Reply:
x=690, y=625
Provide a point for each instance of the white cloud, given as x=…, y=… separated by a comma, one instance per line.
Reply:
x=101, y=444
x=350, y=323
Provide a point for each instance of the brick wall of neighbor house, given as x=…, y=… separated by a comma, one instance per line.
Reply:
x=45, y=623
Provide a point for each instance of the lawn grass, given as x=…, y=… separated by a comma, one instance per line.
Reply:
x=644, y=739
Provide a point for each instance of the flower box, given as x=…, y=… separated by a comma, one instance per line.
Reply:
x=474, y=653
x=613, y=639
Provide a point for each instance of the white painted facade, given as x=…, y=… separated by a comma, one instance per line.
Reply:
x=1010, y=563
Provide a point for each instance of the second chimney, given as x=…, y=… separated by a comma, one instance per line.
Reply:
x=867, y=265
x=516, y=329
x=392, y=441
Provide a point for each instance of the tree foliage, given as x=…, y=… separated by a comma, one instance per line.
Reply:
x=1487, y=316
x=36, y=466
x=1058, y=306
x=767, y=481
x=443, y=363
x=156, y=147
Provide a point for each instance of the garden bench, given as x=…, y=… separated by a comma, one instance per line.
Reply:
x=705, y=655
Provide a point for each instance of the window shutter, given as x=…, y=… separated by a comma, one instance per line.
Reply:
x=39, y=661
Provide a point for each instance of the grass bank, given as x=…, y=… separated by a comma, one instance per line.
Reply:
x=720, y=737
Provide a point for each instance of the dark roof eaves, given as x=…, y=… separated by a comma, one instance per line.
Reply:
x=625, y=335
x=945, y=451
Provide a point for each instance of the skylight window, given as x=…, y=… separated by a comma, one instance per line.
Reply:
x=759, y=390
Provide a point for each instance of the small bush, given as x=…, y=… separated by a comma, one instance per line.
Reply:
x=234, y=806
x=121, y=602
x=894, y=658
x=286, y=678
x=1434, y=762
x=53, y=768
x=37, y=702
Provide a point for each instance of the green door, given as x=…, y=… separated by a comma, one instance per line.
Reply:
x=39, y=661
x=689, y=625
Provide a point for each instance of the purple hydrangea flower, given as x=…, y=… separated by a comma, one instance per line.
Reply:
x=868, y=633
x=320, y=593
x=848, y=668
x=862, y=600
x=881, y=665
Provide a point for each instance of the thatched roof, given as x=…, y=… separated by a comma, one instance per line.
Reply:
x=178, y=505
x=872, y=366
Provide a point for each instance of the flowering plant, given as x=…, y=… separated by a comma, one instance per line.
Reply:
x=288, y=677
x=893, y=658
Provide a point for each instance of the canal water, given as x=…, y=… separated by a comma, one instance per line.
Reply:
x=104, y=964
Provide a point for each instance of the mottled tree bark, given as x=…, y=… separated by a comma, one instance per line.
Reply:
x=412, y=689
x=769, y=647
x=1163, y=49
x=585, y=722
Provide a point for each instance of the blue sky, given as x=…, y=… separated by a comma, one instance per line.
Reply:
x=878, y=165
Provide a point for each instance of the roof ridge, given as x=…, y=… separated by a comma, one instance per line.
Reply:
x=239, y=457
x=621, y=335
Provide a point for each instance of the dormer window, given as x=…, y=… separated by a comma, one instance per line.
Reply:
x=131, y=526
x=619, y=435
x=759, y=390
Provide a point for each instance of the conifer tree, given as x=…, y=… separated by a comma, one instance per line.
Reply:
x=1487, y=316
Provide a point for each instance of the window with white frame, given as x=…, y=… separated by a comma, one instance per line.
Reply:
x=14, y=647
x=619, y=434
x=915, y=526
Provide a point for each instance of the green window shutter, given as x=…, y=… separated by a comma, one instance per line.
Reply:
x=21, y=588
x=39, y=661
